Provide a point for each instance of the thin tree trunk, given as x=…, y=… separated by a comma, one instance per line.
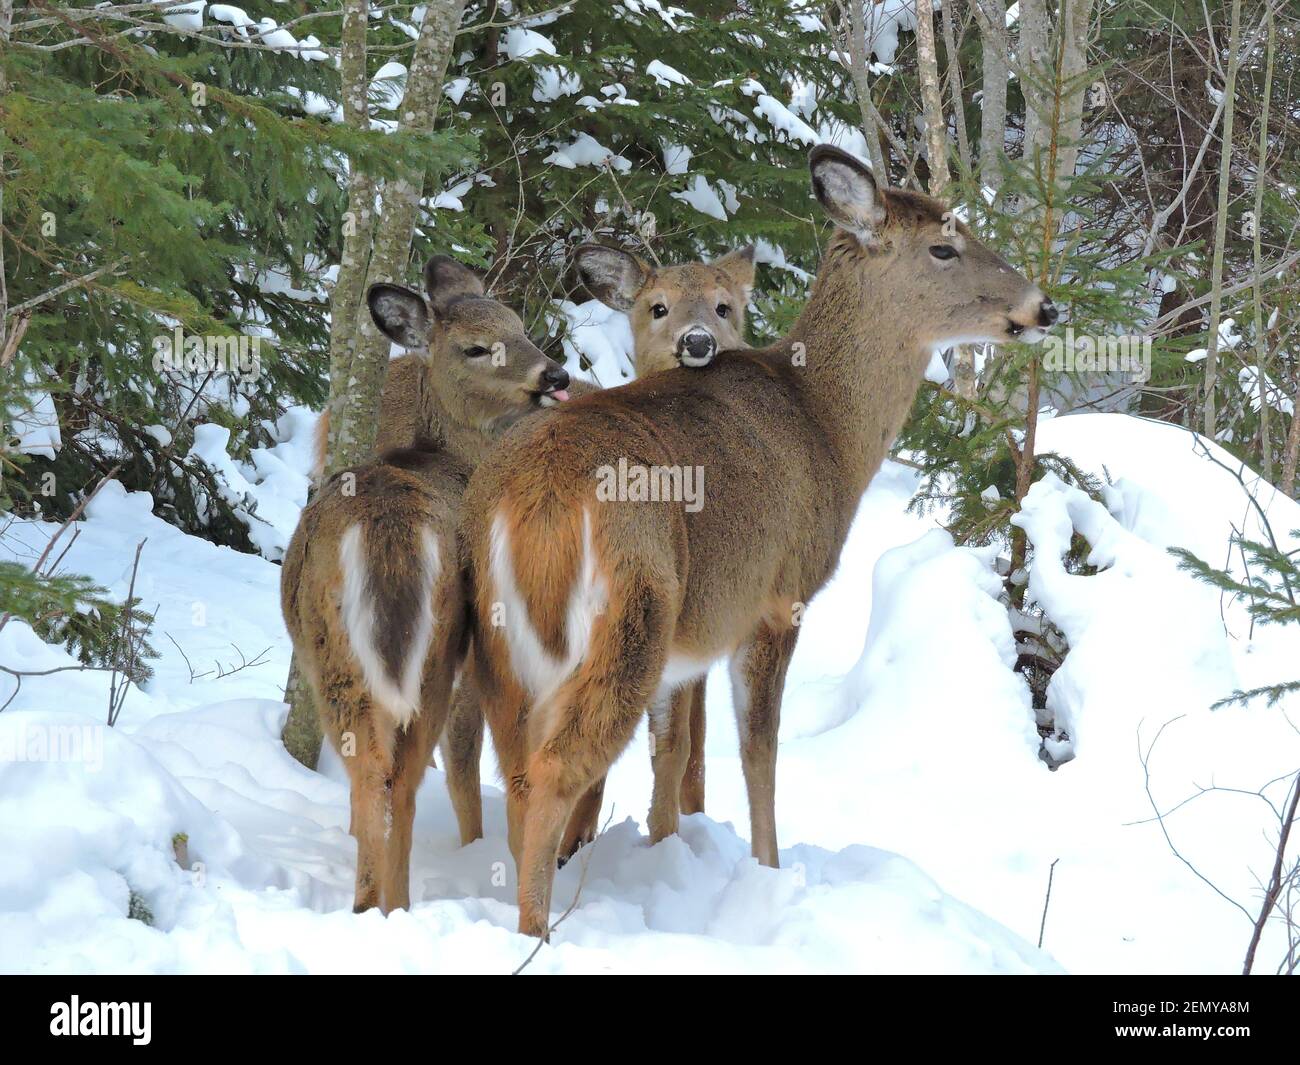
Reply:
x=395, y=228
x=302, y=734
x=1287, y=482
x=956, y=91
x=991, y=16
x=936, y=126
x=1210, y=414
x=1075, y=20
x=1261, y=344
x=345, y=305
x=1035, y=75
x=857, y=49
x=373, y=251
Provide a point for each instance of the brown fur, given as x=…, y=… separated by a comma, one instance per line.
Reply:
x=789, y=436
x=690, y=298
x=389, y=508
x=691, y=295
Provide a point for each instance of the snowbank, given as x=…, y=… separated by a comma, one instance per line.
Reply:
x=904, y=731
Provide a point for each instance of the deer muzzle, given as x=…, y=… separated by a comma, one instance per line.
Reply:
x=696, y=348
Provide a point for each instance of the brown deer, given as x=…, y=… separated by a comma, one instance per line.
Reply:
x=604, y=607
x=680, y=315
x=372, y=587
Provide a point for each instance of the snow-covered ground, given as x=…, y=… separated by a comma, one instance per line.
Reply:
x=904, y=732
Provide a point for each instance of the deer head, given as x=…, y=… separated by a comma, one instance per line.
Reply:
x=485, y=366
x=681, y=315
x=943, y=286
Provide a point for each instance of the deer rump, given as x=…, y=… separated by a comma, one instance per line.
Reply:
x=556, y=548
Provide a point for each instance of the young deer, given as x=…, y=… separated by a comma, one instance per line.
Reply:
x=606, y=607
x=373, y=589
x=681, y=315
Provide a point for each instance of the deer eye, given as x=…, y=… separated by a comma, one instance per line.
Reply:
x=659, y=310
x=476, y=352
x=943, y=251
x=723, y=310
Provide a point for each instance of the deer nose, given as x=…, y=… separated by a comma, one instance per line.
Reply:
x=1047, y=313
x=554, y=379
x=697, y=347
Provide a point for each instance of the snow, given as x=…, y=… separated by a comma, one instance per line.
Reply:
x=665, y=75
x=35, y=423
x=388, y=86
x=904, y=732
x=270, y=492
x=700, y=195
x=587, y=151
x=603, y=337
x=186, y=16
x=677, y=158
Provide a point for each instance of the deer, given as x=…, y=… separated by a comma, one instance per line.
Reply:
x=372, y=587
x=680, y=315
x=586, y=609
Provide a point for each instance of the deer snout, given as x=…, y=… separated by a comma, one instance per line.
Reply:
x=552, y=385
x=696, y=348
x=1035, y=314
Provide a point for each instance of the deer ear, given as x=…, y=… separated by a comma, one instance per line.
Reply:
x=613, y=276
x=738, y=266
x=845, y=188
x=446, y=280
x=400, y=314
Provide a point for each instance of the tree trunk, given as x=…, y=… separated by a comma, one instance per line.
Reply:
x=393, y=232
x=936, y=126
x=1261, y=344
x=1210, y=414
x=956, y=91
x=992, y=18
x=857, y=50
x=373, y=251
x=1035, y=76
x=301, y=734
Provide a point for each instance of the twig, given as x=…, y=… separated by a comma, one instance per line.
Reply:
x=582, y=880
x=117, y=696
x=1042, y=925
x=1275, y=881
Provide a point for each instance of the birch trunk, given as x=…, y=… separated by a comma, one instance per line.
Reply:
x=936, y=127
x=1209, y=411
x=1261, y=344
x=991, y=15
x=373, y=251
x=1035, y=75
x=857, y=50
x=394, y=230
x=956, y=91
x=302, y=734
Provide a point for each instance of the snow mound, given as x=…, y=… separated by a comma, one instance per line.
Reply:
x=97, y=886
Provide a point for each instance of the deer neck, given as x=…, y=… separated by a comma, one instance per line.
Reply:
x=863, y=365
x=460, y=423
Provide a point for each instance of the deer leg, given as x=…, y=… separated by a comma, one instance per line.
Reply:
x=413, y=745
x=371, y=773
x=504, y=705
x=585, y=822
x=758, y=671
x=692, y=798
x=462, y=747
x=670, y=739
